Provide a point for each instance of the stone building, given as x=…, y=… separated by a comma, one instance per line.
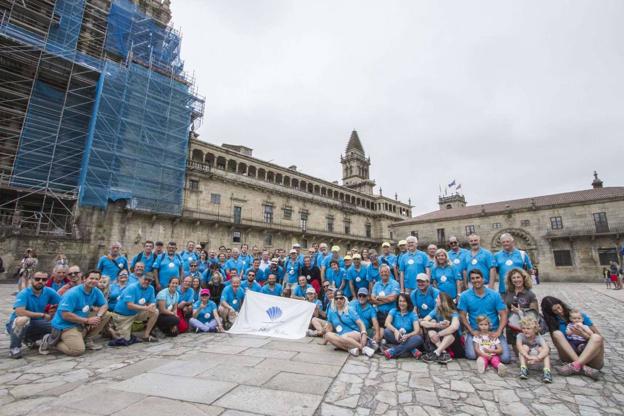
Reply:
x=569, y=236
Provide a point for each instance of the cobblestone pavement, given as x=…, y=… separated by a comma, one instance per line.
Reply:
x=238, y=375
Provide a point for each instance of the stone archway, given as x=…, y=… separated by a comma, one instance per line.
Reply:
x=523, y=239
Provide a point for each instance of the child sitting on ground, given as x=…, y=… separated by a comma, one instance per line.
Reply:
x=532, y=349
x=488, y=348
x=575, y=326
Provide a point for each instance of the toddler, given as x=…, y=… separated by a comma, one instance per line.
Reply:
x=532, y=349
x=488, y=348
x=577, y=341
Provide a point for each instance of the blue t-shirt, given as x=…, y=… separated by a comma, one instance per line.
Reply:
x=168, y=268
x=359, y=277
x=111, y=267
x=458, y=259
x=490, y=304
x=255, y=286
x=278, y=272
x=136, y=294
x=439, y=318
x=366, y=313
x=292, y=269
x=403, y=320
x=170, y=299
x=446, y=279
x=76, y=300
x=114, y=293
x=260, y=276
x=390, y=288
x=505, y=261
x=187, y=296
x=56, y=286
x=145, y=259
x=329, y=258
x=237, y=264
x=27, y=299
x=563, y=324
x=372, y=274
x=235, y=300
x=390, y=260
x=412, y=264
x=483, y=260
x=424, y=302
x=276, y=291
x=187, y=257
x=206, y=313
x=345, y=322
x=300, y=291
x=335, y=277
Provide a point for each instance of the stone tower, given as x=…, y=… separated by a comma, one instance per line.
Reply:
x=356, y=166
x=452, y=201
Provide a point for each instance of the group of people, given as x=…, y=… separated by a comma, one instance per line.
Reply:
x=435, y=305
x=613, y=275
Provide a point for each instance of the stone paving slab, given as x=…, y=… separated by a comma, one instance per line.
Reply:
x=300, y=383
x=270, y=402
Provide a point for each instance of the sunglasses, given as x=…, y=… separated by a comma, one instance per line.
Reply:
x=362, y=296
x=325, y=286
x=453, y=243
x=339, y=297
x=40, y=279
x=73, y=273
x=205, y=294
x=251, y=274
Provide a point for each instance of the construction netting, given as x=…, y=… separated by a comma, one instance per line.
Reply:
x=139, y=143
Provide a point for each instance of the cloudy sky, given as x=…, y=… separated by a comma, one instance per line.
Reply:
x=512, y=99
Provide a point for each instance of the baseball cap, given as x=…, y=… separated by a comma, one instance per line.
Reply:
x=357, y=256
x=402, y=242
x=386, y=244
x=363, y=291
x=310, y=290
x=204, y=292
x=347, y=257
x=274, y=260
x=296, y=245
x=422, y=276
x=293, y=251
x=335, y=248
x=339, y=294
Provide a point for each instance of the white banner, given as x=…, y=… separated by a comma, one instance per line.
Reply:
x=273, y=316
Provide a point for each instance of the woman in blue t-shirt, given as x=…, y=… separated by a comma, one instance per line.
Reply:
x=167, y=302
x=443, y=331
x=402, y=330
x=591, y=359
x=345, y=329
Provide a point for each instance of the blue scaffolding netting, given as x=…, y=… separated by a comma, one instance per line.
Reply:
x=110, y=130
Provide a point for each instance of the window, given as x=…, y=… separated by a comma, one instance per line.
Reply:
x=215, y=199
x=497, y=225
x=470, y=229
x=237, y=214
x=304, y=221
x=287, y=213
x=391, y=235
x=347, y=229
x=193, y=185
x=268, y=239
x=268, y=214
x=330, y=225
x=414, y=234
x=525, y=223
x=236, y=236
x=607, y=255
x=441, y=235
x=562, y=258
x=600, y=220
x=369, y=230
x=556, y=223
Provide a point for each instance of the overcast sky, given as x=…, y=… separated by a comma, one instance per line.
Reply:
x=510, y=98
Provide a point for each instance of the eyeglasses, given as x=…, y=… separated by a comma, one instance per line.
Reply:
x=73, y=273
x=40, y=279
x=453, y=243
x=326, y=286
x=205, y=294
x=193, y=265
x=339, y=298
x=362, y=296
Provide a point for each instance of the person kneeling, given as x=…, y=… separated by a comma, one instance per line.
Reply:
x=136, y=303
x=205, y=315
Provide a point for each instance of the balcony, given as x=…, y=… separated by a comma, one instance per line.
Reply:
x=584, y=232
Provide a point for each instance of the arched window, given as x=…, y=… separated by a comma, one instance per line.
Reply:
x=286, y=181
x=251, y=171
x=242, y=168
x=197, y=155
x=295, y=183
x=278, y=178
x=210, y=159
x=323, y=191
x=231, y=165
x=310, y=188
x=303, y=185
x=221, y=162
x=270, y=176
x=261, y=174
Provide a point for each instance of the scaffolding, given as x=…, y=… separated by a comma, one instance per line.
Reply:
x=94, y=107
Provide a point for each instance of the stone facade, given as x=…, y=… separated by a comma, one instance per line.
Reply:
x=564, y=234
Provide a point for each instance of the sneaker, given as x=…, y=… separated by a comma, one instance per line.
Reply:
x=547, y=376
x=312, y=333
x=430, y=357
x=388, y=354
x=368, y=351
x=417, y=354
x=501, y=370
x=591, y=372
x=15, y=352
x=524, y=373
x=17, y=331
x=568, y=370
x=91, y=345
x=373, y=344
x=481, y=365
x=444, y=358
x=354, y=352
x=44, y=348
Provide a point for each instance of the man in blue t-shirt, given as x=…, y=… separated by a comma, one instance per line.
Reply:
x=232, y=299
x=167, y=266
x=481, y=300
x=480, y=259
x=147, y=257
x=30, y=319
x=111, y=264
x=81, y=315
x=510, y=258
x=368, y=316
x=411, y=264
x=456, y=255
x=136, y=303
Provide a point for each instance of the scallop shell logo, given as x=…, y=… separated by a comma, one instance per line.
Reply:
x=274, y=313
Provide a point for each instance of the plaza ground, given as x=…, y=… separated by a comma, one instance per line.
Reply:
x=239, y=375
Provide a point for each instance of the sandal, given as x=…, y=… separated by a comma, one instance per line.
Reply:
x=149, y=338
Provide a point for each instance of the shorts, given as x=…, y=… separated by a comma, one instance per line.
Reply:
x=614, y=278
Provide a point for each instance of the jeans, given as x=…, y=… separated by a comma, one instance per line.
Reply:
x=404, y=348
x=210, y=326
x=505, y=356
x=32, y=330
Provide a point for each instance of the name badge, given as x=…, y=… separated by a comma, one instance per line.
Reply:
x=509, y=262
x=171, y=265
x=358, y=279
x=443, y=279
x=424, y=306
x=85, y=308
x=474, y=261
x=235, y=301
x=142, y=301
x=339, y=328
x=207, y=315
x=410, y=262
x=382, y=293
x=170, y=307
x=308, y=277
x=121, y=264
x=291, y=271
x=456, y=261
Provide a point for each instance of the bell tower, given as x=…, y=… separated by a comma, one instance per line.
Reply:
x=356, y=166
